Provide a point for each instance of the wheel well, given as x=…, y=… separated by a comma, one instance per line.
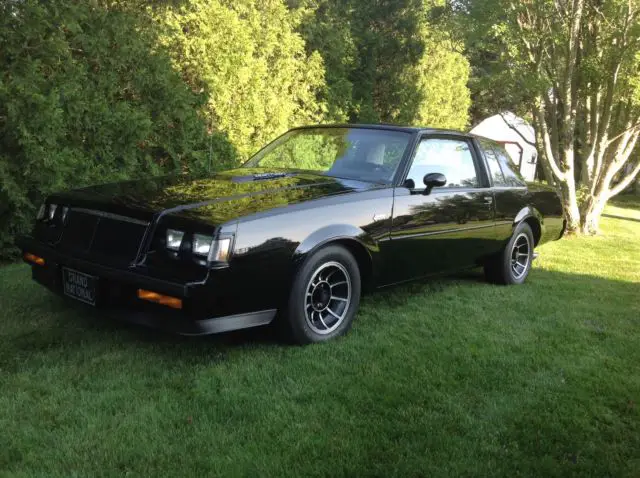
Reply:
x=362, y=258
x=534, y=224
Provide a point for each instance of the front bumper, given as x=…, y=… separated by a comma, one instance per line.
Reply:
x=117, y=295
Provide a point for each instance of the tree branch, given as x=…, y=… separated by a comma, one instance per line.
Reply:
x=570, y=66
x=632, y=127
x=530, y=143
x=630, y=145
x=623, y=153
x=550, y=107
x=625, y=183
x=546, y=141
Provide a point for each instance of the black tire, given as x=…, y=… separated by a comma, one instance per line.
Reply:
x=339, y=265
x=501, y=268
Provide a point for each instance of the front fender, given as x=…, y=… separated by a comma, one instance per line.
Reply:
x=334, y=233
x=363, y=245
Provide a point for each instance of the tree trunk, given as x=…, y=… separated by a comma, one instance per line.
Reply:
x=570, y=204
x=591, y=211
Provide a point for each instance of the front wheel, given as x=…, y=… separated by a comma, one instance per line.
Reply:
x=513, y=263
x=325, y=296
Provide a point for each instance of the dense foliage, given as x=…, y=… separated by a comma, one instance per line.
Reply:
x=249, y=59
x=85, y=97
x=387, y=62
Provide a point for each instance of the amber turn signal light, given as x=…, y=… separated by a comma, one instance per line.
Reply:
x=33, y=259
x=172, y=302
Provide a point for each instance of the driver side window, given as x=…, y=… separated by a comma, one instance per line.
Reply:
x=451, y=157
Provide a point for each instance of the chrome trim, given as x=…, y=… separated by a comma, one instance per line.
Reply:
x=109, y=215
x=441, y=231
x=234, y=322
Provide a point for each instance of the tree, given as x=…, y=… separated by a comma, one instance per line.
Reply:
x=438, y=84
x=86, y=96
x=250, y=61
x=575, y=65
x=386, y=62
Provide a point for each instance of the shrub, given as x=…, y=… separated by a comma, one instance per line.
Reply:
x=86, y=96
x=250, y=60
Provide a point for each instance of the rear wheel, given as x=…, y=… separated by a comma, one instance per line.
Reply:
x=513, y=263
x=325, y=296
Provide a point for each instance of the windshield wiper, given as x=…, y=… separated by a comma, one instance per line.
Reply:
x=261, y=176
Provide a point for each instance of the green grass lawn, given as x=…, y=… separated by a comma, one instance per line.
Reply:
x=446, y=378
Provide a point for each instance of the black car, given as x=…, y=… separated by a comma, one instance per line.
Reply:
x=299, y=231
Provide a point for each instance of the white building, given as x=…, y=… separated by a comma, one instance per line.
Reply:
x=516, y=135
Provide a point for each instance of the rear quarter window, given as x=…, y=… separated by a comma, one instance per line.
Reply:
x=511, y=174
x=494, y=166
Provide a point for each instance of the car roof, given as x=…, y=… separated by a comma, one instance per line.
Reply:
x=389, y=127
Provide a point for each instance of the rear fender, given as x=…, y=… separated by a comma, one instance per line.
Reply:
x=526, y=213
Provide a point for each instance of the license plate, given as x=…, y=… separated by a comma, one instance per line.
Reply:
x=79, y=286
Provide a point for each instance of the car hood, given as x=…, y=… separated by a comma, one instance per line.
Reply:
x=215, y=199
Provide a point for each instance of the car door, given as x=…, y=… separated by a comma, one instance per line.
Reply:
x=449, y=227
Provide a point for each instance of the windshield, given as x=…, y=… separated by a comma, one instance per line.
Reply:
x=353, y=153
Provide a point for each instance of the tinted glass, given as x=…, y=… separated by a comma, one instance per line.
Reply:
x=353, y=153
x=452, y=158
x=494, y=166
x=511, y=174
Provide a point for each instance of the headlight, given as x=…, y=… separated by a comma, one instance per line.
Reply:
x=220, y=250
x=204, y=249
x=41, y=212
x=201, y=244
x=174, y=239
x=216, y=250
x=54, y=214
x=52, y=211
x=48, y=211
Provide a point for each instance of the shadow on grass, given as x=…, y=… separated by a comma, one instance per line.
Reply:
x=631, y=201
x=393, y=297
x=58, y=325
x=623, y=218
x=397, y=295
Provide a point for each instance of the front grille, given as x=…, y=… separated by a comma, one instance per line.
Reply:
x=117, y=238
x=78, y=231
x=102, y=235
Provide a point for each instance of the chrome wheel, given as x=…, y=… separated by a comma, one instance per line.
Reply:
x=328, y=296
x=520, y=256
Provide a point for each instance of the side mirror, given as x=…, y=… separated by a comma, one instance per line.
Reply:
x=433, y=180
x=409, y=183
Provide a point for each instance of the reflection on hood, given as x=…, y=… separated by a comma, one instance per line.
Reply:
x=218, y=198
